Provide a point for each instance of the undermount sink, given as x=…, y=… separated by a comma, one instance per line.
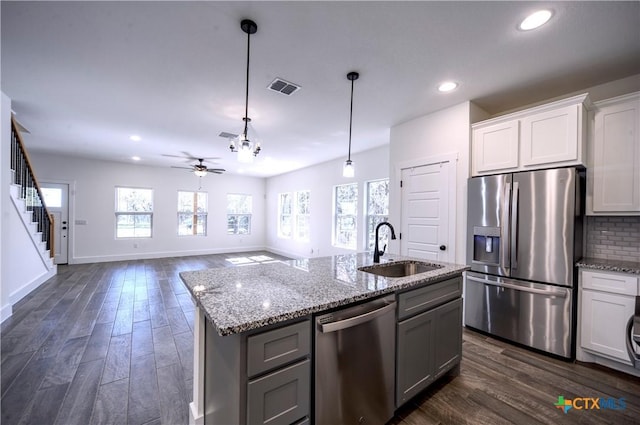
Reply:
x=400, y=268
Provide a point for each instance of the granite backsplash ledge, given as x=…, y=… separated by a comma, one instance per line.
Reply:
x=613, y=238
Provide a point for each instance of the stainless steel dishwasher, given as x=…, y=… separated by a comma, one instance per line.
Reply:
x=355, y=364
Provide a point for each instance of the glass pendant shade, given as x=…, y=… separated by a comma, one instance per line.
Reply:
x=348, y=170
x=200, y=173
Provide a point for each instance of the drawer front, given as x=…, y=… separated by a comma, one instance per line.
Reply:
x=282, y=397
x=271, y=349
x=418, y=300
x=616, y=283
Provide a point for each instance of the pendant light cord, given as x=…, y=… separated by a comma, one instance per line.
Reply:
x=246, y=98
x=350, y=120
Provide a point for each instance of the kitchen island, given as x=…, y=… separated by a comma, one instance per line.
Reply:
x=271, y=306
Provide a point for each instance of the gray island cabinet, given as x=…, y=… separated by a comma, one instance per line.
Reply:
x=254, y=332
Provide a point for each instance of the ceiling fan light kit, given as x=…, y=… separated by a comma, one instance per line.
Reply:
x=348, y=169
x=246, y=149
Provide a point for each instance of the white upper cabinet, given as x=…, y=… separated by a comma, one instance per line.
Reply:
x=550, y=135
x=495, y=147
x=615, y=157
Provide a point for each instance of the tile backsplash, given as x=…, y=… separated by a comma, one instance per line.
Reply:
x=613, y=238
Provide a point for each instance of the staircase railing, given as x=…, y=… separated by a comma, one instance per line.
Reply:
x=30, y=189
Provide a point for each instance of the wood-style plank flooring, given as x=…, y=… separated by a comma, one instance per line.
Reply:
x=112, y=343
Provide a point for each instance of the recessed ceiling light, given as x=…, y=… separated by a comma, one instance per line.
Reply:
x=535, y=20
x=447, y=86
x=135, y=138
x=135, y=158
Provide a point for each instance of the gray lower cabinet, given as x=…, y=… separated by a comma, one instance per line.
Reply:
x=414, y=356
x=448, y=336
x=429, y=343
x=258, y=377
x=281, y=397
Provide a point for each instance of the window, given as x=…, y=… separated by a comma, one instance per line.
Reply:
x=284, y=213
x=346, y=216
x=52, y=196
x=134, y=212
x=293, y=215
x=302, y=215
x=377, y=211
x=239, y=214
x=192, y=213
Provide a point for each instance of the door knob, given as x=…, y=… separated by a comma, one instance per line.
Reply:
x=443, y=247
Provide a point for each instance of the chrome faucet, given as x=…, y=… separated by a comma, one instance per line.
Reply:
x=377, y=253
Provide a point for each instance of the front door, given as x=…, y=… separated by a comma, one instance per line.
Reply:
x=425, y=212
x=56, y=198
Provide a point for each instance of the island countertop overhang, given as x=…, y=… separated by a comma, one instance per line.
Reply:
x=239, y=299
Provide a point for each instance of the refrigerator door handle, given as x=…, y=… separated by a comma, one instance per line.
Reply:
x=513, y=244
x=504, y=228
x=560, y=294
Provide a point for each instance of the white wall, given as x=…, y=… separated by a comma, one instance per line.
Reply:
x=320, y=181
x=439, y=134
x=5, y=151
x=92, y=198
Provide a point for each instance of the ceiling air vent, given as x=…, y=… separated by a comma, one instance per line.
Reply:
x=284, y=87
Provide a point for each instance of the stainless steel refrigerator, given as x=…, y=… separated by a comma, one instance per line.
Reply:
x=524, y=236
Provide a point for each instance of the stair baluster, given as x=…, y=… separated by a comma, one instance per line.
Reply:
x=24, y=176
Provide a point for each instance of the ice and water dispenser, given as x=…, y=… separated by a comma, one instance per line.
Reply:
x=486, y=245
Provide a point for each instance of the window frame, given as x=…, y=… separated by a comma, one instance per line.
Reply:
x=238, y=216
x=282, y=215
x=336, y=218
x=369, y=234
x=133, y=214
x=194, y=214
x=298, y=215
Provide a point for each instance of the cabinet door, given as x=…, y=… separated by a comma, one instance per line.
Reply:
x=604, y=321
x=495, y=148
x=281, y=397
x=616, y=157
x=552, y=136
x=448, y=336
x=414, y=360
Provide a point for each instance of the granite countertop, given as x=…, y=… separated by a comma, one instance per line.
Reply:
x=630, y=267
x=238, y=299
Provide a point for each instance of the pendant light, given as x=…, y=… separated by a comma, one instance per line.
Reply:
x=348, y=169
x=246, y=149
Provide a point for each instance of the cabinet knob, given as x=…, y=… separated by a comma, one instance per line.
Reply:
x=443, y=247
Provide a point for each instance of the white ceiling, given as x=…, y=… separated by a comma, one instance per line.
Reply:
x=84, y=76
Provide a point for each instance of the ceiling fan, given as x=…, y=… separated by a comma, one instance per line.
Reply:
x=200, y=169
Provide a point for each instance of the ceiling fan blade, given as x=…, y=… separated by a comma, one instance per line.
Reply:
x=183, y=168
x=172, y=156
x=216, y=170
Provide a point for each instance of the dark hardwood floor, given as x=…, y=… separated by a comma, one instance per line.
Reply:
x=112, y=343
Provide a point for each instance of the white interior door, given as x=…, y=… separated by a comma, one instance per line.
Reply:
x=425, y=212
x=56, y=198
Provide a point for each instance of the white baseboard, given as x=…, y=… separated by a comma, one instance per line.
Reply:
x=193, y=419
x=22, y=292
x=160, y=254
x=5, y=312
x=283, y=253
